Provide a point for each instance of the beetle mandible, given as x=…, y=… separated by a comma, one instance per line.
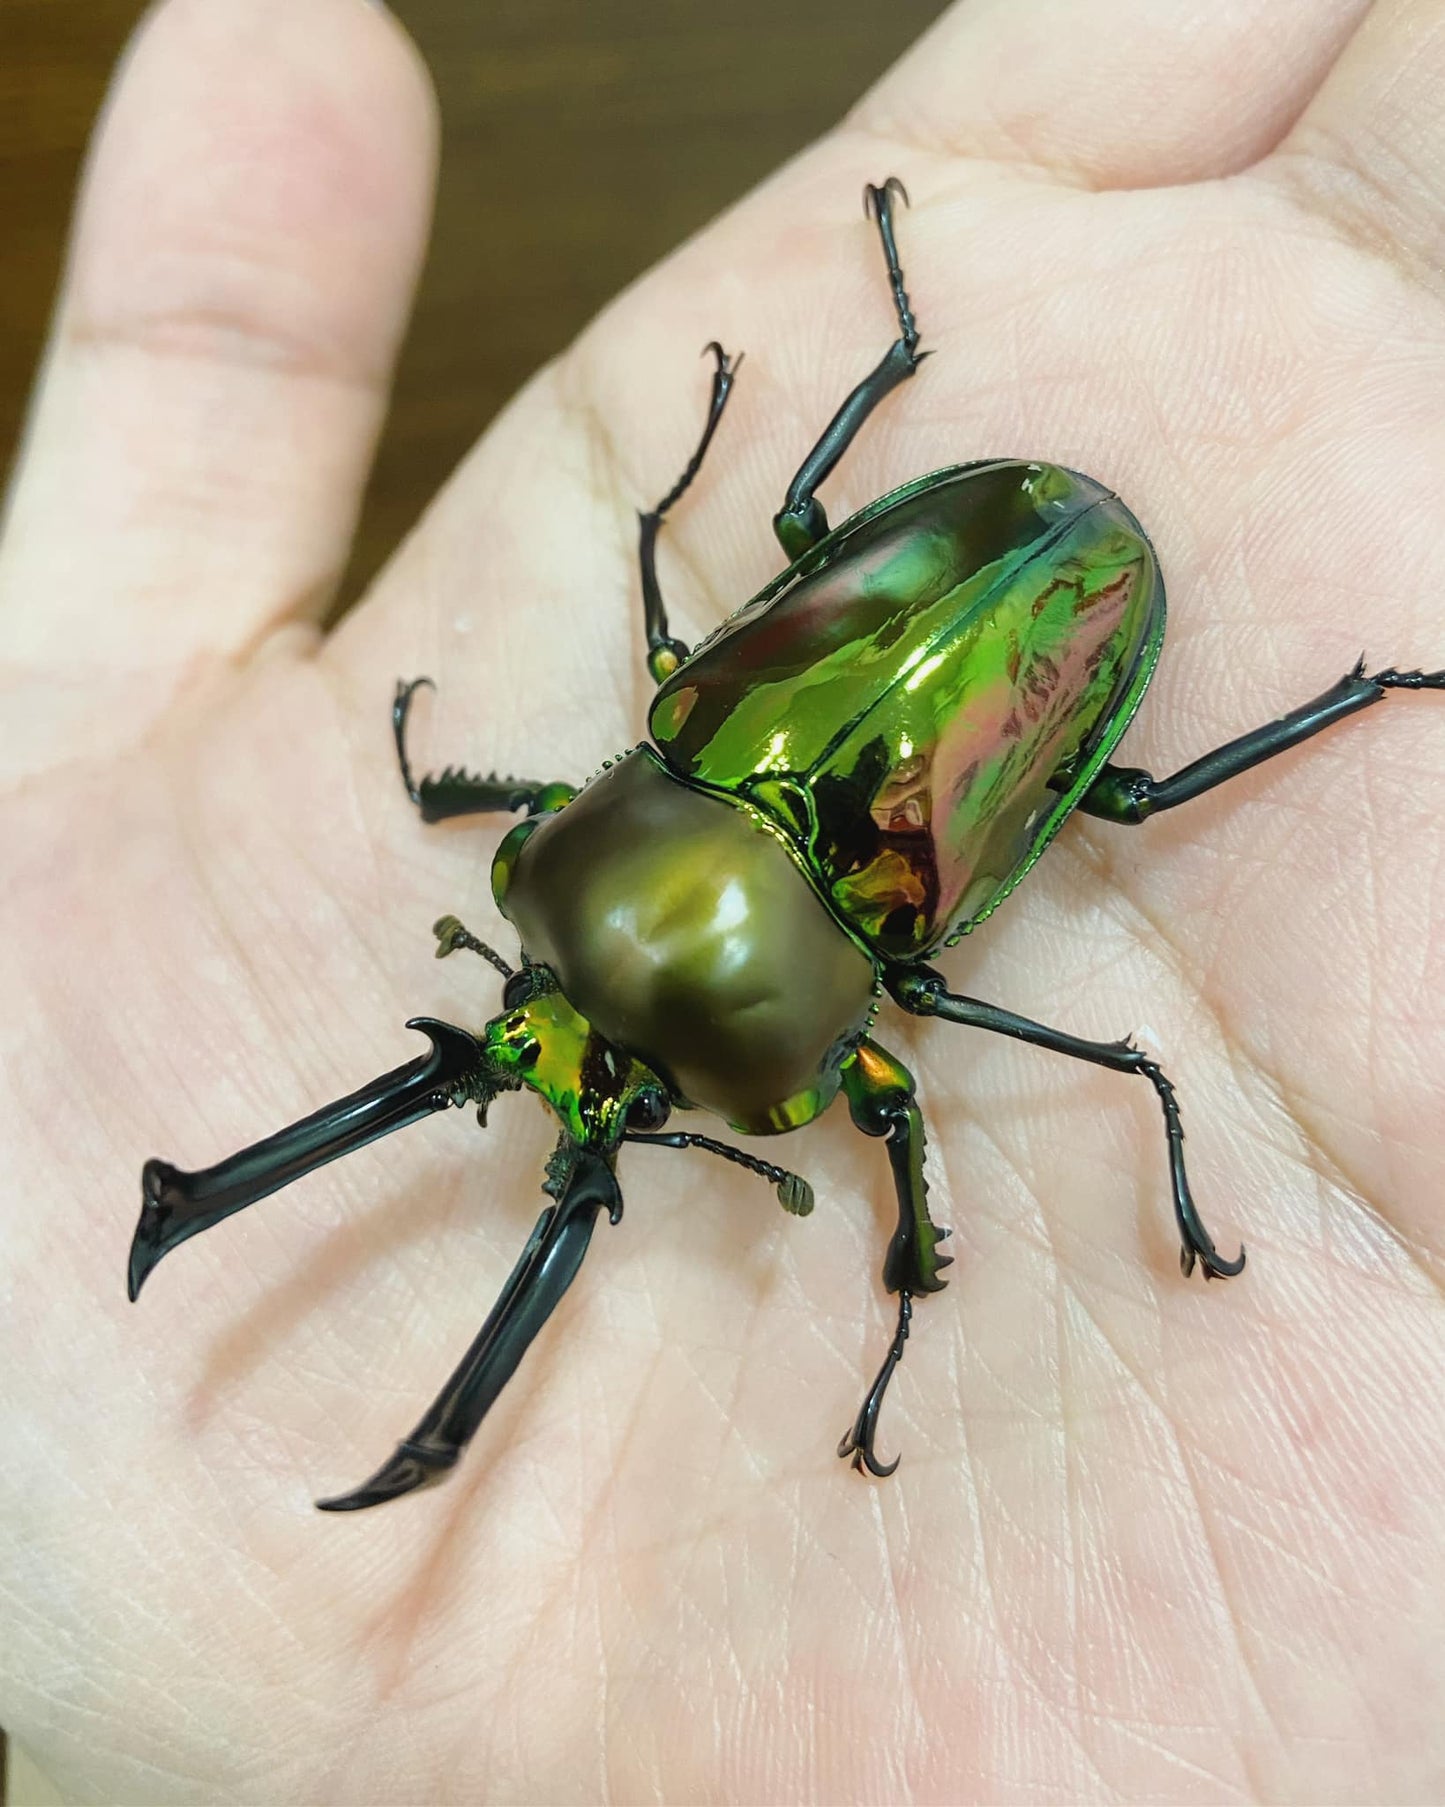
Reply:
x=853, y=770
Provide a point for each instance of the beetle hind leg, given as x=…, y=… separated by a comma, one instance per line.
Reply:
x=461, y=793
x=922, y=991
x=881, y=1101
x=1126, y=795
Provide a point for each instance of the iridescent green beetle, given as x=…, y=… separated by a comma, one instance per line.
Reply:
x=852, y=771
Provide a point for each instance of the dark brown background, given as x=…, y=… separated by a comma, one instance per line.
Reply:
x=579, y=142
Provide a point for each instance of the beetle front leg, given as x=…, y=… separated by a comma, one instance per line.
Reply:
x=176, y=1206
x=801, y=522
x=923, y=992
x=461, y=793
x=881, y=1101
x=547, y=1267
x=1123, y=794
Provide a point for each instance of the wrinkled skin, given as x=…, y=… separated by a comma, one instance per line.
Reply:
x=1150, y=1540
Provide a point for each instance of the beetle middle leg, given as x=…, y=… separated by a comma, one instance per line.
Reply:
x=923, y=992
x=880, y=1094
x=664, y=653
x=1124, y=794
x=801, y=522
x=461, y=793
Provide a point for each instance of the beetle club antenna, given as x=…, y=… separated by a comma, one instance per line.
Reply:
x=795, y=1195
x=451, y=935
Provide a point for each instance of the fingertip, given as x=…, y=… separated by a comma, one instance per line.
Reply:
x=1116, y=94
x=265, y=167
x=250, y=229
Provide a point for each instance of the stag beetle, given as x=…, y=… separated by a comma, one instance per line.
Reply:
x=853, y=770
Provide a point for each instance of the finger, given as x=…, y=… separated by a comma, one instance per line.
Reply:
x=1115, y=93
x=241, y=270
x=1369, y=151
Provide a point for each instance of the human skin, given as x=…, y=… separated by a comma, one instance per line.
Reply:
x=1150, y=1539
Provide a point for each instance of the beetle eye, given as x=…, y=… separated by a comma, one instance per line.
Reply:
x=533, y=981
x=648, y=1110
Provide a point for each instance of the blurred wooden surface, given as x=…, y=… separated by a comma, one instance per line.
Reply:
x=580, y=142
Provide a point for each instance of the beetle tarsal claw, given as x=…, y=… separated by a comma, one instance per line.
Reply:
x=1213, y=1265
x=728, y=364
x=875, y=196
x=858, y=1443
x=1211, y=1262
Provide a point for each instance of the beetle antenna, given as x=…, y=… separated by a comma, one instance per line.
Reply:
x=451, y=935
x=795, y=1195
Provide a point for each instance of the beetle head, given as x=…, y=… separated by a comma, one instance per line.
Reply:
x=598, y=1090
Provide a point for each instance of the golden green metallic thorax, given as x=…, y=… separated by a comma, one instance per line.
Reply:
x=918, y=702
x=681, y=928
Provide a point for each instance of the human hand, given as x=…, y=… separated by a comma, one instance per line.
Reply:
x=1149, y=1540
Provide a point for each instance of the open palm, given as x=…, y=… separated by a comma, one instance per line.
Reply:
x=1149, y=1540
